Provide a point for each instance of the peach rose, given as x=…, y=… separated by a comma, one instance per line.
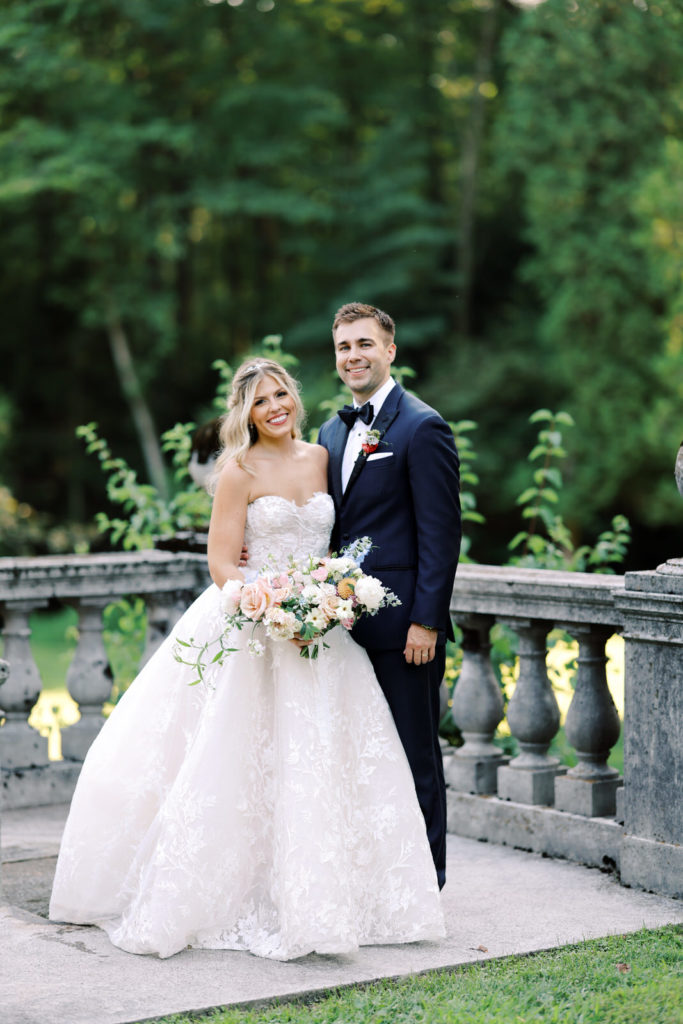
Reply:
x=256, y=597
x=329, y=606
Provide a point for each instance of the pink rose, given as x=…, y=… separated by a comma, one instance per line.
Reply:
x=256, y=597
x=320, y=574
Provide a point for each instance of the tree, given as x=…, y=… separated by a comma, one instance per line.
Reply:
x=592, y=90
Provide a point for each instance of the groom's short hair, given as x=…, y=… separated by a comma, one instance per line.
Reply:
x=358, y=311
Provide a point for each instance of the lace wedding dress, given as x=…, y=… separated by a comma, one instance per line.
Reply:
x=271, y=809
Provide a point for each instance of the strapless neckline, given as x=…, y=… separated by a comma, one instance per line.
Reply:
x=290, y=501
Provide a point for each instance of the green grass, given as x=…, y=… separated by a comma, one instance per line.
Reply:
x=631, y=979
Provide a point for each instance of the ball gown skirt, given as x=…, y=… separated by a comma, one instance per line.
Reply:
x=269, y=809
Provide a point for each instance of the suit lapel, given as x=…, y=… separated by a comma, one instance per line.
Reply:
x=340, y=433
x=386, y=417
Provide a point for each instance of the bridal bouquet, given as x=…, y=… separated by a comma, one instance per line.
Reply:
x=305, y=600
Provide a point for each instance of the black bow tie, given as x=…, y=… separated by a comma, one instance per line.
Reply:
x=350, y=413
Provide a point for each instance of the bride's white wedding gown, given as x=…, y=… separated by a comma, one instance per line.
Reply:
x=272, y=810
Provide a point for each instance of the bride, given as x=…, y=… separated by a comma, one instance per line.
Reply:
x=271, y=807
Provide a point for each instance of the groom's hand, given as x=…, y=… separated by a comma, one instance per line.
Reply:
x=420, y=644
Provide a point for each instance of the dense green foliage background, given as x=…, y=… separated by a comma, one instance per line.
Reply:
x=180, y=178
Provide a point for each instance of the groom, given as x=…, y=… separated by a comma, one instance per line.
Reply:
x=393, y=474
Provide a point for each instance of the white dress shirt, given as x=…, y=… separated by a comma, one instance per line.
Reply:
x=354, y=442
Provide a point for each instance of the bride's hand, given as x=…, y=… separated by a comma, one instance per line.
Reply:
x=299, y=642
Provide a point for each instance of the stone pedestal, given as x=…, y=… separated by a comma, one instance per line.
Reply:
x=476, y=776
x=596, y=798
x=652, y=614
x=528, y=785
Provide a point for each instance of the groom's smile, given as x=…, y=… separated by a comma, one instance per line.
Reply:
x=364, y=354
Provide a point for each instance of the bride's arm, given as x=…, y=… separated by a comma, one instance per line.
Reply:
x=228, y=518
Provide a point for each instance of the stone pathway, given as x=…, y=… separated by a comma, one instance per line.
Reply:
x=498, y=901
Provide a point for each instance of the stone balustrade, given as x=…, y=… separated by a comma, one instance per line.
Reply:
x=89, y=583
x=587, y=813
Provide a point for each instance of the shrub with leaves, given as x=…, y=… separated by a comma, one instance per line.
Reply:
x=149, y=516
x=547, y=543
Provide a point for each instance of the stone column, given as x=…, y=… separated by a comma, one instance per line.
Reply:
x=477, y=710
x=592, y=727
x=21, y=746
x=652, y=615
x=88, y=679
x=534, y=717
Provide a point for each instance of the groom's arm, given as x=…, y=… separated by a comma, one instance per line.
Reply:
x=434, y=479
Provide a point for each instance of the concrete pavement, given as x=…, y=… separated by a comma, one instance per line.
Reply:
x=498, y=901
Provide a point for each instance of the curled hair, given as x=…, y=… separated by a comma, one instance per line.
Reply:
x=359, y=311
x=237, y=435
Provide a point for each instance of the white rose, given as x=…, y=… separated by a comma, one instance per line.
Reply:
x=369, y=592
x=230, y=596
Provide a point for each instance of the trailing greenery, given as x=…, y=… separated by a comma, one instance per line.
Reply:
x=625, y=979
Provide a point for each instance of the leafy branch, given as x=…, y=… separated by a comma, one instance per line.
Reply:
x=548, y=542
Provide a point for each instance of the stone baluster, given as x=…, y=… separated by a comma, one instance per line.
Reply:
x=533, y=716
x=477, y=710
x=592, y=727
x=88, y=679
x=163, y=611
x=21, y=746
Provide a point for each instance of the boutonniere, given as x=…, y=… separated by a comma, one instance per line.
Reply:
x=370, y=442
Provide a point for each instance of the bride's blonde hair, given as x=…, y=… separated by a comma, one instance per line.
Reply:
x=237, y=433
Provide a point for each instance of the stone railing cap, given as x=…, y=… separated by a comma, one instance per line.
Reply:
x=545, y=594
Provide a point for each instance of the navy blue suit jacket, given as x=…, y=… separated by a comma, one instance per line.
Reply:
x=409, y=504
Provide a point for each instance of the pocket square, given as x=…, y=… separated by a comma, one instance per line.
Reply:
x=380, y=455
